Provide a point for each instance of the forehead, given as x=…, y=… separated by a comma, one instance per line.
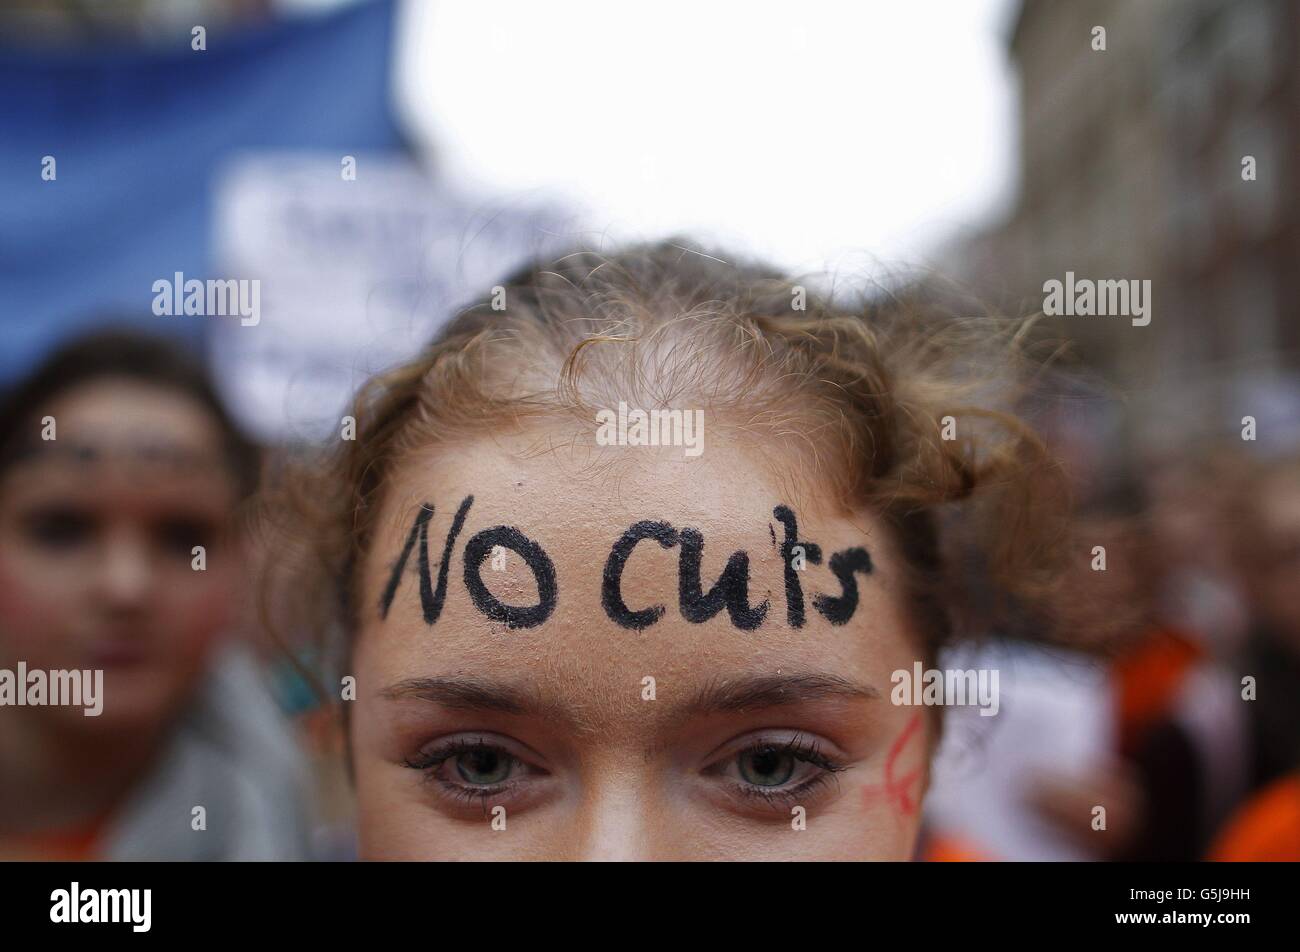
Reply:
x=575, y=507
x=116, y=438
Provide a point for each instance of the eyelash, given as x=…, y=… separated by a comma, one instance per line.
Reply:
x=65, y=529
x=430, y=761
x=801, y=749
x=60, y=529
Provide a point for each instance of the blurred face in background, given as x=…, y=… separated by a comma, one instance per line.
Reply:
x=1114, y=567
x=465, y=724
x=1184, y=519
x=97, y=536
x=1273, y=554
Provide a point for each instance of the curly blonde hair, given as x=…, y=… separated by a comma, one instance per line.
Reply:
x=866, y=390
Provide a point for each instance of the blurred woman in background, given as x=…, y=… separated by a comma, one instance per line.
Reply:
x=120, y=551
x=1267, y=826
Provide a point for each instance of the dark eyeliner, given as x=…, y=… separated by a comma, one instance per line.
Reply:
x=460, y=791
x=801, y=749
x=780, y=799
x=440, y=755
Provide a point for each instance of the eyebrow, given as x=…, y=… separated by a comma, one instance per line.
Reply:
x=719, y=696
x=761, y=691
x=462, y=693
x=93, y=453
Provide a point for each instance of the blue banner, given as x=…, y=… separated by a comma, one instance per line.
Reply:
x=108, y=157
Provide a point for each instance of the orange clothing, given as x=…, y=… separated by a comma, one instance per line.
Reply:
x=942, y=848
x=80, y=843
x=1147, y=680
x=1266, y=829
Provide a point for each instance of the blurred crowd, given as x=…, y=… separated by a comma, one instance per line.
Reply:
x=1195, y=674
x=1184, y=660
x=1173, y=702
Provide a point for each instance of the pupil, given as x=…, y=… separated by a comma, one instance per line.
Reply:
x=766, y=767
x=482, y=766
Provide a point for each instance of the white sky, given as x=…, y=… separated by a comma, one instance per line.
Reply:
x=819, y=134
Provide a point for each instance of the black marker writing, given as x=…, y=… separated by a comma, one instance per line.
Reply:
x=845, y=565
x=730, y=591
x=419, y=532
x=431, y=599
x=476, y=552
x=731, y=588
x=434, y=608
x=812, y=554
x=611, y=586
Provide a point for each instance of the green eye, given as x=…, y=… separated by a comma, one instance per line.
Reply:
x=766, y=766
x=483, y=766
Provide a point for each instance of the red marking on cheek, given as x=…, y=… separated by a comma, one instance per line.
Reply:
x=898, y=788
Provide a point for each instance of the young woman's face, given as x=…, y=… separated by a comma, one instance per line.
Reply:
x=570, y=735
x=97, y=531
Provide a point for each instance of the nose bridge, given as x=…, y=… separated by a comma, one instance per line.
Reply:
x=126, y=574
x=616, y=824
